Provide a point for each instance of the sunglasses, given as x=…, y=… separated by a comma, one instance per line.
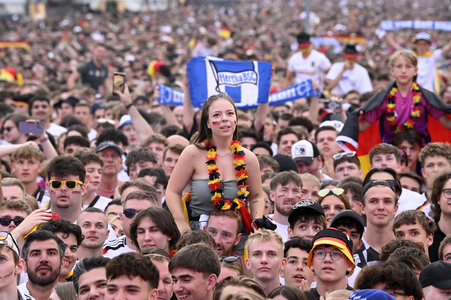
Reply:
x=6, y=238
x=229, y=259
x=70, y=184
x=7, y=221
x=7, y=129
x=130, y=213
x=343, y=154
x=335, y=191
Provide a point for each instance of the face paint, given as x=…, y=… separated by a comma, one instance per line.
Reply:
x=215, y=123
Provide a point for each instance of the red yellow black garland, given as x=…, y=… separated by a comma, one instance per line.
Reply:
x=414, y=115
x=214, y=182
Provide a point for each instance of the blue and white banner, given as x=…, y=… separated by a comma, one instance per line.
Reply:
x=408, y=24
x=297, y=91
x=171, y=96
x=246, y=82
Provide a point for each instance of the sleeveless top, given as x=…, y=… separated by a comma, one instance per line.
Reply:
x=201, y=195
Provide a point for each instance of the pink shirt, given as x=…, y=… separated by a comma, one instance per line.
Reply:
x=403, y=109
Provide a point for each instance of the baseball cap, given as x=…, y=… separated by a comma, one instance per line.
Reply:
x=8, y=240
x=371, y=294
x=303, y=39
x=348, y=214
x=105, y=145
x=304, y=207
x=304, y=150
x=332, y=237
x=350, y=52
x=125, y=119
x=437, y=274
x=333, y=123
x=423, y=36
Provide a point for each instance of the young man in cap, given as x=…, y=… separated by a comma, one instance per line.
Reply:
x=308, y=159
x=111, y=154
x=352, y=224
x=331, y=261
x=11, y=266
x=306, y=219
x=435, y=280
x=307, y=63
x=348, y=75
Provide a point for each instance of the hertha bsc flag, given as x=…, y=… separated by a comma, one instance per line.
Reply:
x=246, y=82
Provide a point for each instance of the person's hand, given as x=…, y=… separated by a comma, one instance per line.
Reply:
x=304, y=285
x=35, y=218
x=126, y=98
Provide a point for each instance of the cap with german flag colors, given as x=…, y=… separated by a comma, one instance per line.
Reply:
x=332, y=237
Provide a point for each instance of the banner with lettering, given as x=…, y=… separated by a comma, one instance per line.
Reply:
x=408, y=24
x=304, y=89
x=246, y=82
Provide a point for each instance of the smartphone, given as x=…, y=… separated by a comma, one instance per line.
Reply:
x=334, y=105
x=118, y=82
x=31, y=127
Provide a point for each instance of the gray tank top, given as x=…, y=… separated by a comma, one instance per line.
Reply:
x=201, y=195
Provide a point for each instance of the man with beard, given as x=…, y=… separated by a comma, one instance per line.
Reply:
x=94, y=227
x=71, y=236
x=43, y=253
x=286, y=191
x=65, y=178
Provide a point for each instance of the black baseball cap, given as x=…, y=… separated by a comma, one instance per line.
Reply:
x=351, y=215
x=105, y=145
x=437, y=274
x=304, y=207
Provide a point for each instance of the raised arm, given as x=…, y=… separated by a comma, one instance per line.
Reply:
x=255, y=199
x=188, y=108
x=139, y=123
x=180, y=177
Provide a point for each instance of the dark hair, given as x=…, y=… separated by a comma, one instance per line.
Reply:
x=268, y=161
x=76, y=140
x=64, y=227
x=349, y=222
x=162, y=219
x=350, y=159
x=395, y=276
x=397, y=186
x=391, y=246
x=62, y=166
x=88, y=157
x=285, y=131
x=414, y=258
x=302, y=121
x=6, y=164
x=412, y=175
x=297, y=242
x=197, y=257
x=411, y=136
x=87, y=264
x=324, y=128
x=289, y=292
x=112, y=135
x=412, y=217
x=437, y=190
x=284, y=178
x=158, y=173
x=133, y=264
x=70, y=121
x=353, y=186
x=113, y=202
x=140, y=154
x=80, y=128
x=263, y=145
x=249, y=133
x=37, y=98
x=42, y=235
x=204, y=131
x=241, y=280
x=194, y=237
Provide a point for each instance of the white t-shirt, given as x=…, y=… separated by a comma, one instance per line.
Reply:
x=427, y=69
x=355, y=79
x=281, y=229
x=56, y=130
x=313, y=67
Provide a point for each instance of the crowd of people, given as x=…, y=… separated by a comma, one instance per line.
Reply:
x=118, y=196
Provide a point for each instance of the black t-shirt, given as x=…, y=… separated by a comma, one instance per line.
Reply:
x=433, y=249
x=92, y=75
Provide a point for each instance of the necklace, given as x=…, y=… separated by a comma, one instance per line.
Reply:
x=239, y=203
x=414, y=114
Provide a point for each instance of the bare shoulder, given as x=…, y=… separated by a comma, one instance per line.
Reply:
x=249, y=156
x=192, y=151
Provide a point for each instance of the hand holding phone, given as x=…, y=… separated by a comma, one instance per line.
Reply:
x=118, y=82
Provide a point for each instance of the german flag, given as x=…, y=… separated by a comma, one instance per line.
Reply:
x=225, y=32
x=7, y=44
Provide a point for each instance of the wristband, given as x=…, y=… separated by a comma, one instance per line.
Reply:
x=128, y=106
x=43, y=140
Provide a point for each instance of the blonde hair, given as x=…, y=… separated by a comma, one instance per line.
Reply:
x=264, y=235
x=408, y=55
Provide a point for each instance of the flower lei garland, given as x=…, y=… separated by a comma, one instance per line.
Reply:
x=214, y=181
x=414, y=115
